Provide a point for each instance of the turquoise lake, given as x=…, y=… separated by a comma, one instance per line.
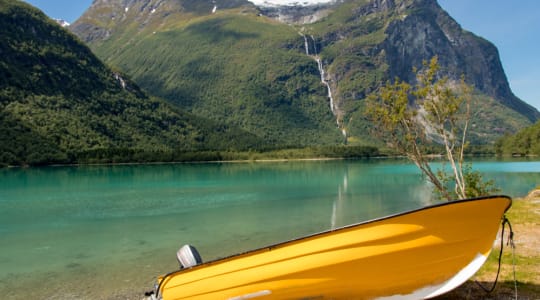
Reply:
x=106, y=232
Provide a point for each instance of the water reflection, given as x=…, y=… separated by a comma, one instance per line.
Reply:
x=339, y=202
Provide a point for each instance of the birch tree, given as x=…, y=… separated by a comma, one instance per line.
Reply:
x=435, y=110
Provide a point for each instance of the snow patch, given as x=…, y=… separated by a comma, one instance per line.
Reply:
x=270, y=3
x=62, y=23
x=214, y=9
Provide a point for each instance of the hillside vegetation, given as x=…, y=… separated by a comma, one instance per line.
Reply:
x=239, y=67
x=525, y=142
x=60, y=104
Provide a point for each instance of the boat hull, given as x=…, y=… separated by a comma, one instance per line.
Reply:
x=413, y=255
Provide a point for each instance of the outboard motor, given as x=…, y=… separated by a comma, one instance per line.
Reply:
x=188, y=257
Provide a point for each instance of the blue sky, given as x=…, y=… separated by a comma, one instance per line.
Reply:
x=513, y=26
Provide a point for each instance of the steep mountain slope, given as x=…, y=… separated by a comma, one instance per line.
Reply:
x=59, y=103
x=291, y=83
x=232, y=66
x=365, y=42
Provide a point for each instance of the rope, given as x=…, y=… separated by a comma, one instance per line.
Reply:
x=511, y=243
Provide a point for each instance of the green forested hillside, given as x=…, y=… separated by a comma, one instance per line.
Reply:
x=525, y=142
x=59, y=103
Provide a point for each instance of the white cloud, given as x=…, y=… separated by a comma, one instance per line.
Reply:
x=288, y=2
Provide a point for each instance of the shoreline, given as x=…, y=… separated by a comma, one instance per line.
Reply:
x=209, y=162
x=262, y=160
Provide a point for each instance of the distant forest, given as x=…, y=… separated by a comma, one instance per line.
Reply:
x=525, y=142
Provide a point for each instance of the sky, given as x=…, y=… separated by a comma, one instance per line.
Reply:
x=513, y=26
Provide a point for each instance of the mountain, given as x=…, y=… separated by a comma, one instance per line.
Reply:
x=296, y=74
x=232, y=66
x=59, y=103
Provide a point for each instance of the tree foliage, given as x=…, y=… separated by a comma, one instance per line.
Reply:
x=61, y=104
x=524, y=142
x=410, y=118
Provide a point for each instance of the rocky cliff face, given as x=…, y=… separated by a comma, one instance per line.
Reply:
x=426, y=30
x=404, y=33
x=298, y=14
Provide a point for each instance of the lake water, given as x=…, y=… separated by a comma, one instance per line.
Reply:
x=106, y=232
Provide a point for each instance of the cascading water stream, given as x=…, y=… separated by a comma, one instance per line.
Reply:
x=306, y=44
x=324, y=81
x=320, y=66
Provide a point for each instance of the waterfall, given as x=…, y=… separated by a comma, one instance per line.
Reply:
x=317, y=58
x=306, y=44
x=315, y=55
x=120, y=80
x=325, y=82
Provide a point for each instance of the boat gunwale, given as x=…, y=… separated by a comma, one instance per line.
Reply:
x=166, y=277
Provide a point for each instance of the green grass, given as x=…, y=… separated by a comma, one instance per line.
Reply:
x=525, y=218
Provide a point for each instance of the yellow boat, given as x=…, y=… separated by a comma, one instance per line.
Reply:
x=418, y=254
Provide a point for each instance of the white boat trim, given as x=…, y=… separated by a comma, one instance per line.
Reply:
x=252, y=295
x=437, y=290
